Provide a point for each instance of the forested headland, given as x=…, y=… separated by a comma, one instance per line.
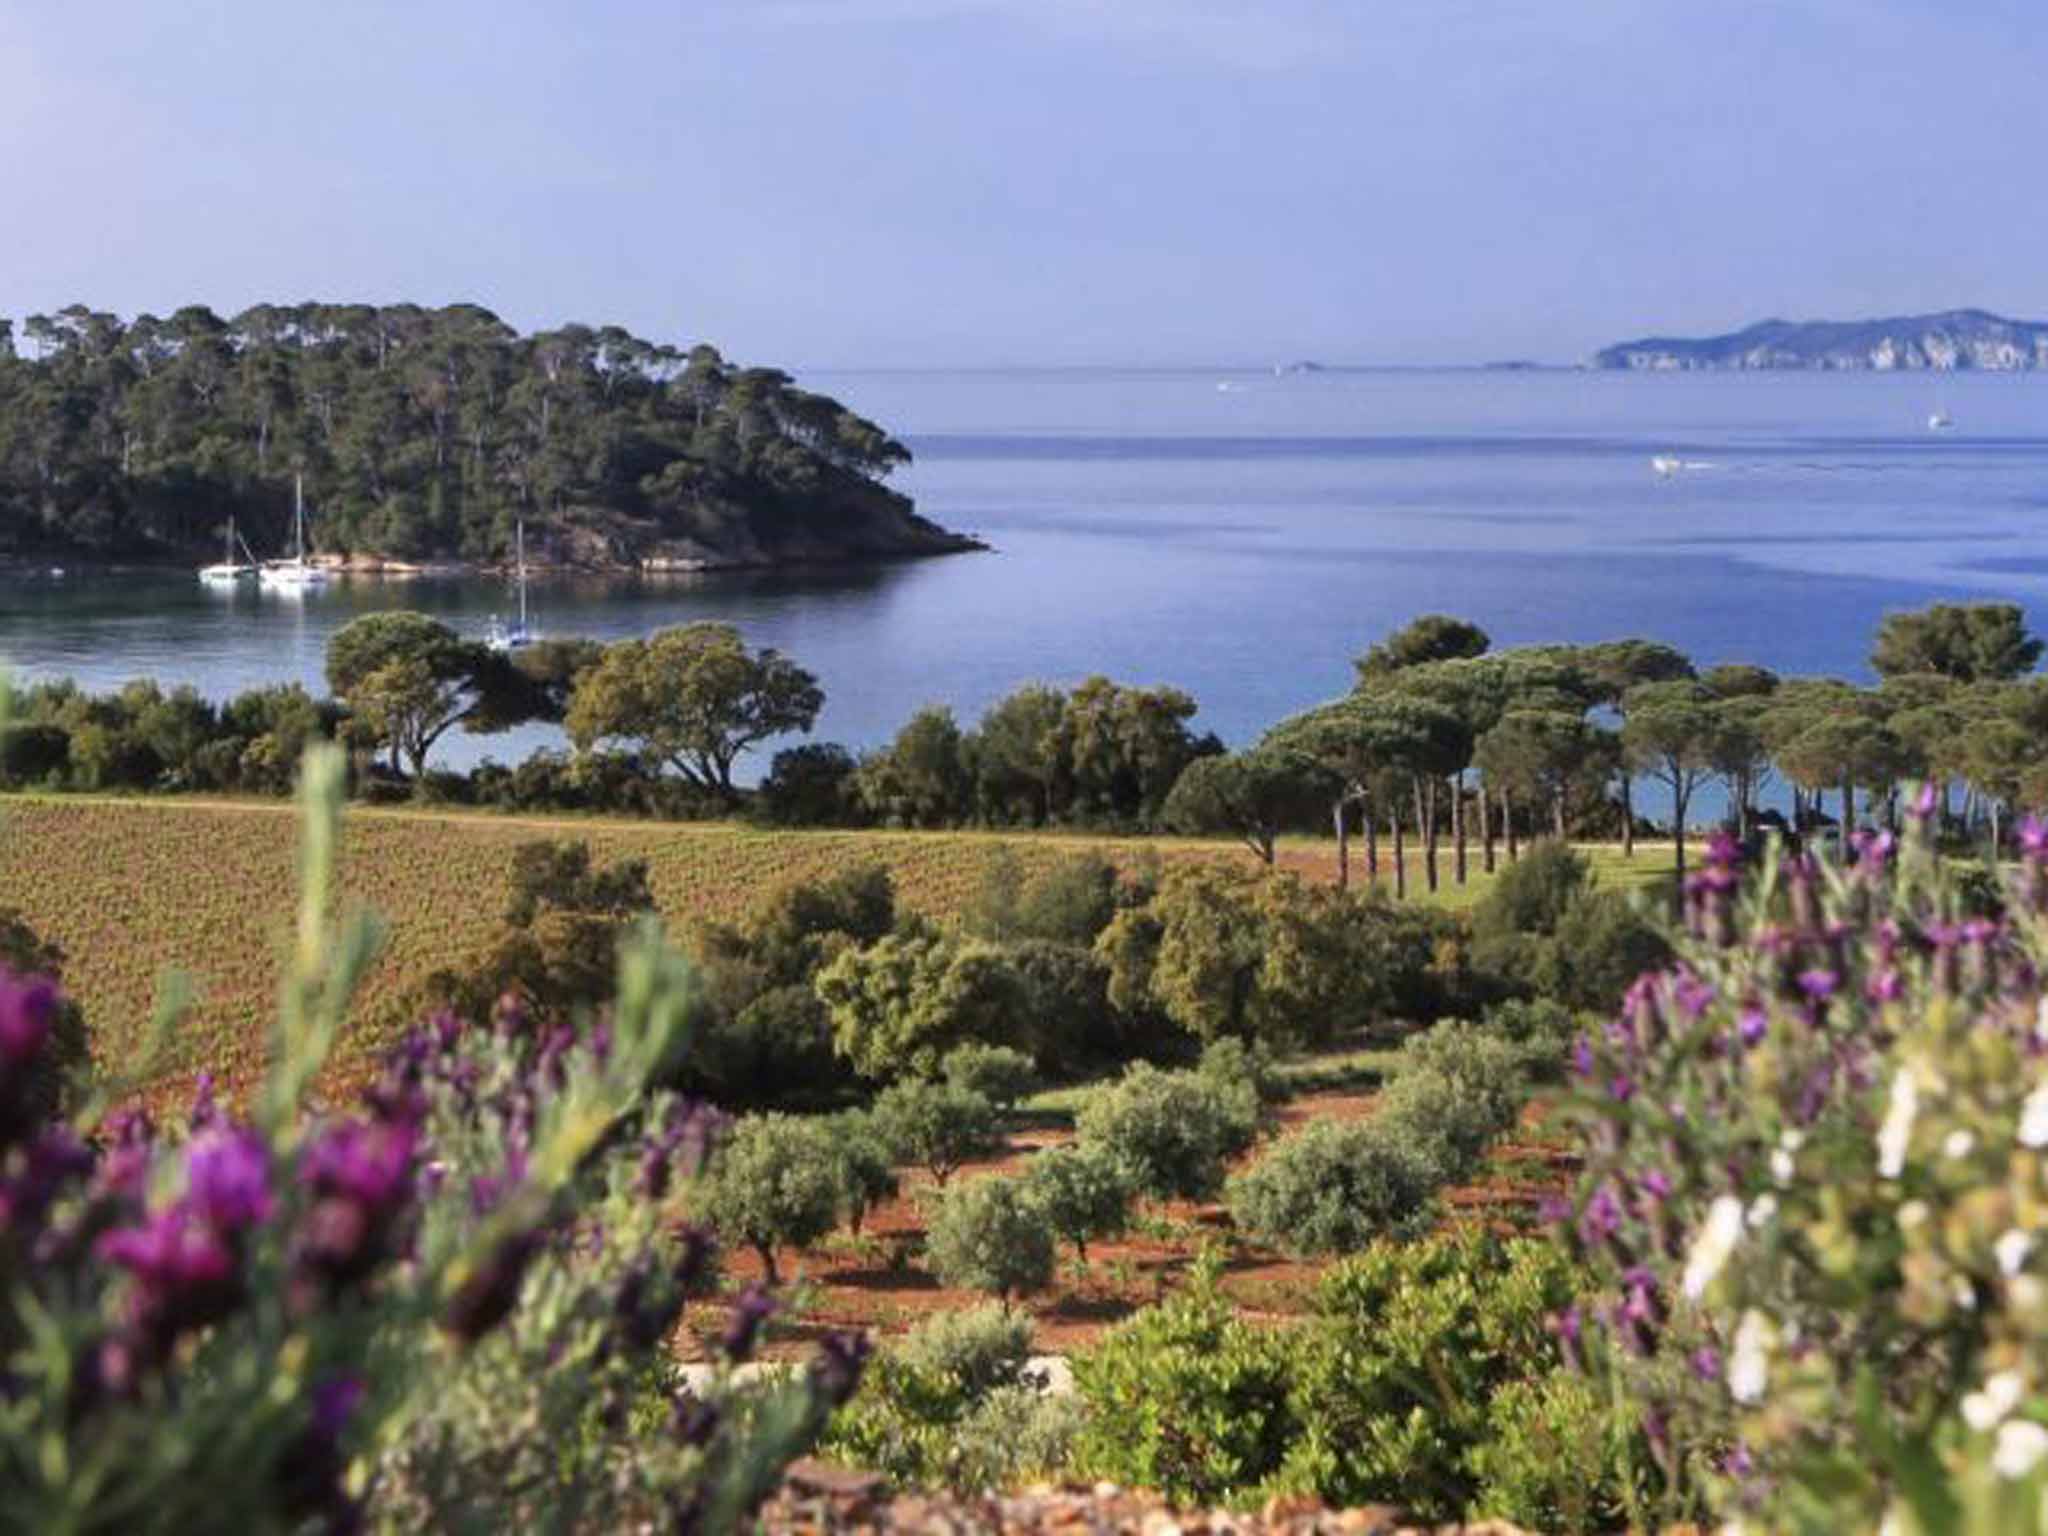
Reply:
x=427, y=435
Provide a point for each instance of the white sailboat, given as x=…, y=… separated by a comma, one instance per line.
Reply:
x=231, y=571
x=297, y=573
x=518, y=635
x=1939, y=420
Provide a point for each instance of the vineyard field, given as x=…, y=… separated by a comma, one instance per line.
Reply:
x=136, y=889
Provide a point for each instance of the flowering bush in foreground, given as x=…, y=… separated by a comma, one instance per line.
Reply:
x=1816, y=1178
x=443, y=1310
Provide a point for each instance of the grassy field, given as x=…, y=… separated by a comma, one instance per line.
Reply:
x=134, y=889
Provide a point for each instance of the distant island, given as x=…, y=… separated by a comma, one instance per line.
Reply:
x=425, y=437
x=1953, y=339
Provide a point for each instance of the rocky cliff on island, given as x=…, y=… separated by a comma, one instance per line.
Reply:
x=1954, y=339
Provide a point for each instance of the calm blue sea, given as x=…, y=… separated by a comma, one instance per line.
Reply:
x=1243, y=535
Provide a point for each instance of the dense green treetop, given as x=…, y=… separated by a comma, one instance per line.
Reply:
x=1967, y=642
x=425, y=433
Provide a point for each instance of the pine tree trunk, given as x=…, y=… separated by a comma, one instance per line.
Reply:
x=1557, y=814
x=1372, y=839
x=1485, y=827
x=1507, y=821
x=1678, y=800
x=1400, y=853
x=1458, y=825
x=1848, y=813
x=1343, y=847
x=1628, y=818
x=1425, y=828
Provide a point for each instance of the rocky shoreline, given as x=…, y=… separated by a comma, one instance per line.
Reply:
x=388, y=569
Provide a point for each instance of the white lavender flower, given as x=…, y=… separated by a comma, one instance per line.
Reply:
x=1710, y=1250
x=1749, y=1363
x=2020, y=1446
x=1992, y=1406
x=1896, y=1133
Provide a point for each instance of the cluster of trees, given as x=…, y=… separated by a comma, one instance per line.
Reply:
x=419, y=432
x=1443, y=739
x=1441, y=731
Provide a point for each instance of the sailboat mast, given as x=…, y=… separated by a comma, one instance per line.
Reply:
x=521, y=534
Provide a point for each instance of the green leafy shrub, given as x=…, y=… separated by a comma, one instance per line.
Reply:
x=1187, y=1398
x=935, y=1126
x=1226, y=951
x=1546, y=929
x=1391, y=1386
x=1330, y=1188
x=900, y=1004
x=997, y=1073
x=1084, y=1191
x=1015, y=1436
x=1068, y=1023
x=1554, y=1457
x=777, y=1181
x=990, y=1235
x=1067, y=902
x=952, y=1405
x=1172, y=1131
x=1542, y=1026
x=979, y=1349
x=1459, y=1089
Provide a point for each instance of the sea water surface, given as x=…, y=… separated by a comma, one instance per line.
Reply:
x=1243, y=535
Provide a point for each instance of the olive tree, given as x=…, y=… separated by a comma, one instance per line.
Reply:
x=776, y=1182
x=693, y=697
x=936, y=1126
x=1084, y=1191
x=990, y=1235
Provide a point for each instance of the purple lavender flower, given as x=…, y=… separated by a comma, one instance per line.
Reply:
x=1692, y=994
x=692, y=1420
x=205, y=1111
x=130, y=1138
x=1752, y=1026
x=1819, y=985
x=28, y=1008
x=335, y=1401
x=227, y=1177
x=836, y=1370
x=1601, y=1218
x=2033, y=837
x=53, y=1159
x=184, y=1275
x=370, y=1162
x=1582, y=1057
x=753, y=1308
x=1706, y=1363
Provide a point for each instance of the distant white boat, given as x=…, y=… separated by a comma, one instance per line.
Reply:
x=297, y=573
x=1940, y=420
x=517, y=636
x=231, y=571
x=1666, y=465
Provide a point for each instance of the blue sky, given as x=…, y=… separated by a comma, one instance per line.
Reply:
x=985, y=182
